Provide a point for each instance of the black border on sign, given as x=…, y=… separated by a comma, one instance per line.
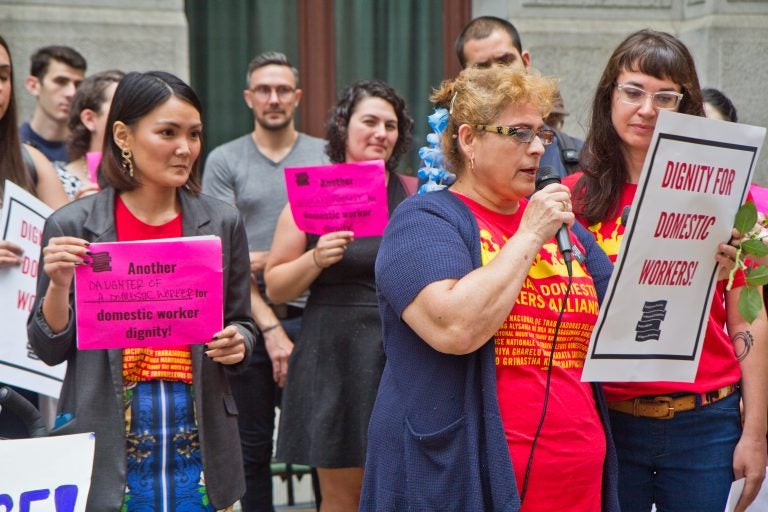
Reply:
x=13, y=202
x=627, y=241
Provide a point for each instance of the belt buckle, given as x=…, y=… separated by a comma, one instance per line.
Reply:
x=667, y=401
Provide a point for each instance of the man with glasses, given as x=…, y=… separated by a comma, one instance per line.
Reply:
x=248, y=172
x=488, y=41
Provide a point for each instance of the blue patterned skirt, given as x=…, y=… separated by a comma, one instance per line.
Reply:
x=165, y=469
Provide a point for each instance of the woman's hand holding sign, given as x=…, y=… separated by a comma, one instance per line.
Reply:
x=60, y=257
x=330, y=248
x=227, y=346
x=9, y=254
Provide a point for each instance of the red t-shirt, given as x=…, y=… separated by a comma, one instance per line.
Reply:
x=568, y=462
x=141, y=363
x=718, y=366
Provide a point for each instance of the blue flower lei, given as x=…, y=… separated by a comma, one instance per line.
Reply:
x=433, y=172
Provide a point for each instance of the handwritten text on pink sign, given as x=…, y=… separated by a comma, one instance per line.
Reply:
x=149, y=294
x=339, y=197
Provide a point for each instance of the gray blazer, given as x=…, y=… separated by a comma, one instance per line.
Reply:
x=93, y=384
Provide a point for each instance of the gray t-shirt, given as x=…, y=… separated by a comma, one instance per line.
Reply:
x=238, y=173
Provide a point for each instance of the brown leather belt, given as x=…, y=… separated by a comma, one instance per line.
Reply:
x=665, y=407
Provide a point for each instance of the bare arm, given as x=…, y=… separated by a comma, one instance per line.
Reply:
x=749, y=458
x=258, y=260
x=458, y=316
x=49, y=188
x=279, y=346
x=291, y=268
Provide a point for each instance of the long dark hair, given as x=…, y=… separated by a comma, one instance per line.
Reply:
x=338, y=121
x=137, y=95
x=12, y=166
x=90, y=95
x=653, y=53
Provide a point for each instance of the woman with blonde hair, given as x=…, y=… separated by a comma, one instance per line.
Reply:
x=480, y=405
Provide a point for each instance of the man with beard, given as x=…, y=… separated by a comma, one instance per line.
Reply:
x=486, y=41
x=248, y=172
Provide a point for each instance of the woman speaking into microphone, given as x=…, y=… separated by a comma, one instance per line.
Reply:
x=475, y=410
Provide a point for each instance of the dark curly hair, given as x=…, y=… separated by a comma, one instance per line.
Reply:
x=338, y=121
x=90, y=95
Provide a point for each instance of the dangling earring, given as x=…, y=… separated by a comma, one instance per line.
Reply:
x=472, y=163
x=127, y=161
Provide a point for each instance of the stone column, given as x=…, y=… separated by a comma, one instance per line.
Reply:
x=139, y=35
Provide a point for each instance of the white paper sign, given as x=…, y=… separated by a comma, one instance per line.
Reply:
x=653, y=320
x=759, y=505
x=46, y=474
x=22, y=220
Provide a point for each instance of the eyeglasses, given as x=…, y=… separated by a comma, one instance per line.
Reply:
x=264, y=92
x=662, y=100
x=520, y=133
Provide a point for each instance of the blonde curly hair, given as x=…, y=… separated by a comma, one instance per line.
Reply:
x=479, y=95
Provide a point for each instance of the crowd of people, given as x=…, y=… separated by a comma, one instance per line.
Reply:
x=382, y=353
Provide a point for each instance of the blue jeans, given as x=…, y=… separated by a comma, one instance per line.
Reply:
x=681, y=464
x=256, y=395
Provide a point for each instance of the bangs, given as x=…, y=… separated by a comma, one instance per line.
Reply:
x=660, y=62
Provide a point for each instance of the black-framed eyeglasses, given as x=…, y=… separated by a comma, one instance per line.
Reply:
x=520, y=133
x=662, y=100
x=264, y=92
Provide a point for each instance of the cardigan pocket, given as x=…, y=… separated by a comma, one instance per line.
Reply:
x=437, y=467
x=230, y=406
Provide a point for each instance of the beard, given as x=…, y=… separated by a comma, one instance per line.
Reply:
x=273, y=126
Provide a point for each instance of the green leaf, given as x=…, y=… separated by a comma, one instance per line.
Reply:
x=750, y=303
x=758, y=276
x=754, y=247
x=746, y=218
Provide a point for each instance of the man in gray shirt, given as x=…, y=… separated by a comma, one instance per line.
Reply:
x=248, y=172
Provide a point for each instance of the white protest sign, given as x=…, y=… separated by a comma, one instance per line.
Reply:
x=46, y=474
x=22, y=220
x=653, y=320
x=760, y=503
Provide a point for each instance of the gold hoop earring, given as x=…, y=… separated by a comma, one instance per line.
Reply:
x=472, y=163
x=127, y=161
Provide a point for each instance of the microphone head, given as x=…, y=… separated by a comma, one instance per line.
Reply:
x=625, y=215
x=546, y=176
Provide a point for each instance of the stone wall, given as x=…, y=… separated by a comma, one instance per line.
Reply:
x=138, y=35
x=572, y=39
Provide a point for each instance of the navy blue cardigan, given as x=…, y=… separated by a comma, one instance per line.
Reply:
x=436, y=440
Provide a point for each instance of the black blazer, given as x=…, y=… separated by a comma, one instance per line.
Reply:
x=93, y=383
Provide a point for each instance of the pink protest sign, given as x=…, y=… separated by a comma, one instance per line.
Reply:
x=154, y=293
x=93, y=159
x=339, y=197
x=760, y=197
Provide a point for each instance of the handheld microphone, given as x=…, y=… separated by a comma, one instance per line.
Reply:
x=546, y=176
x=625, y=215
